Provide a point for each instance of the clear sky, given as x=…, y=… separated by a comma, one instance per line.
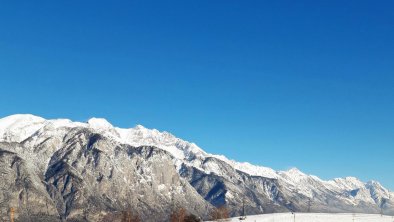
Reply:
x=306, y=84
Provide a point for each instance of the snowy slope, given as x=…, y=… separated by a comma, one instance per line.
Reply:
x=313, y=217
x=19, y=127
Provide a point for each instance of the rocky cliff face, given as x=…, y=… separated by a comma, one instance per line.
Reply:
x=88, y=176
x=58, y=170
x=22, y=188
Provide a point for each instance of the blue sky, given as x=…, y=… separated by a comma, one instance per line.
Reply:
x=308, y=84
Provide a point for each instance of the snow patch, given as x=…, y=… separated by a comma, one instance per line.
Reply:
x=315, y=217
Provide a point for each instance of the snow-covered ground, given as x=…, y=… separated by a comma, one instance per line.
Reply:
x=315, y=217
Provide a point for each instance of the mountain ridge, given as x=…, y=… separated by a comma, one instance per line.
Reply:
x=218, y=180
x=154, y=134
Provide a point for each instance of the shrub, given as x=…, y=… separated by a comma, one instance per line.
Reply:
x=220, y=213
x=178, y=215
x=123, y=216
x=191, y=218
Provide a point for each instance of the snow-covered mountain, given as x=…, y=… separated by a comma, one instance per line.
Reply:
x=42, y=143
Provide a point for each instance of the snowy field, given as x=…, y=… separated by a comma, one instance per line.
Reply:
x=315, y=217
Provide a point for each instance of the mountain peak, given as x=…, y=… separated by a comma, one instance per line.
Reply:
x=139, y=126
x=19, y=126
x=12, y=119
x=99, y=123
x=373, y=182
x=294, y=171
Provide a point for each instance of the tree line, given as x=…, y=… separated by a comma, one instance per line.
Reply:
x=177, y=215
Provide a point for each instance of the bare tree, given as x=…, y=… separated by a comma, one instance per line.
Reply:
x=220, y=213
x=309, y=205
x=192, y=218
x=128, y=216
x=178, y=215
x=123, y=216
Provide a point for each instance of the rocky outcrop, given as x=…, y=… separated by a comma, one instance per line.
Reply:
x=23, y=189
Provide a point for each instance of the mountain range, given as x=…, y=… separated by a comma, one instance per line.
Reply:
x=60, y=170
